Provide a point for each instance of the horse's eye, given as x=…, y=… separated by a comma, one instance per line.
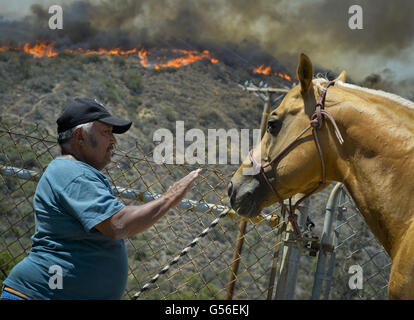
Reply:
x=274, y=125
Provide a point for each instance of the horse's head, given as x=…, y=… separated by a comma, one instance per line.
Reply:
x=298, y=170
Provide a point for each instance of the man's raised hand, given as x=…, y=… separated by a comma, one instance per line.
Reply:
x=177, y=191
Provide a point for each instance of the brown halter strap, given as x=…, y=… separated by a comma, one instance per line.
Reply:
x=315, y=123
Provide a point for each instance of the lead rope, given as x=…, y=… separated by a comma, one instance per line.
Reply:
x=182, y=253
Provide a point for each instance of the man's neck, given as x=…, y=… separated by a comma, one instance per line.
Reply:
x=69, y=156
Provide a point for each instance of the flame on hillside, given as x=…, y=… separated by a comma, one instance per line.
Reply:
x=40, y=49
x=46, y=49
x=181, y=57
x=262, y=69
x=186, y=58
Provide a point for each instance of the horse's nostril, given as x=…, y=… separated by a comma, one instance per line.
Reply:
x=230, y=189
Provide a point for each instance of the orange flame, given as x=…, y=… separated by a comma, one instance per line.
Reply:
x=40, y=49
x=46, y=49
x=143, y=56
x=6, y=48
x=113, y=51
x=262, y=70
x=188, y=58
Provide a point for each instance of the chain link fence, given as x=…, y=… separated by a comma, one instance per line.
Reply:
x=355, y=245
x=203, y=272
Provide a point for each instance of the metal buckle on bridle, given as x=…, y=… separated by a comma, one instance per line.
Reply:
x=315, y=123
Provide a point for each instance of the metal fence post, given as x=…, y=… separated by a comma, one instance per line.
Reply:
x=278, y=243
x=328, y=240
x=286, y=284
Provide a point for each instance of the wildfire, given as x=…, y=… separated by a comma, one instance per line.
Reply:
x=143, y=57
x=46, y=49
x=262, y=69
x=187, y=57
x=114, y=51
x=7, y=48
x=184, y=57
x=40, y=49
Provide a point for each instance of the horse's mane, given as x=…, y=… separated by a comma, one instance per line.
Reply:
x=320, y=80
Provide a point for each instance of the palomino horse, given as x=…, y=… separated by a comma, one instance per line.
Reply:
x=375, y=161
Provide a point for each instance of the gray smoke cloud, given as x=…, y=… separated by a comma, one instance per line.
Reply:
x=280, y=28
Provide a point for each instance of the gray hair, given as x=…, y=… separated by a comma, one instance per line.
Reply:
x=65, y=136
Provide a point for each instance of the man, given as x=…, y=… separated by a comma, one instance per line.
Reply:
x=78, y=251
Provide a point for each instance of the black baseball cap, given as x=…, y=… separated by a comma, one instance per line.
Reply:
x=83, y=110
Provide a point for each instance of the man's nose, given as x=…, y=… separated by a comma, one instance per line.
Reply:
x=113, y=139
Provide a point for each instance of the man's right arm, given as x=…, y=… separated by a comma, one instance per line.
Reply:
x=131, y=220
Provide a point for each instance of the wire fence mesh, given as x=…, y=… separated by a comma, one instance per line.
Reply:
x=203, y=273
x=356, y=245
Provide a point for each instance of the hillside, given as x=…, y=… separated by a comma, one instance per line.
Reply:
x=203, y=94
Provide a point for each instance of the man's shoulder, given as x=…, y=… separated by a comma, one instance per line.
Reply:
x=64, y=170
x=65, y=166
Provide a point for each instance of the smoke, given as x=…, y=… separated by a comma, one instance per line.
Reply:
x=241, y=30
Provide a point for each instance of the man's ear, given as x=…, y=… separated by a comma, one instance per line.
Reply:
x=78, y=135
x=305, y=73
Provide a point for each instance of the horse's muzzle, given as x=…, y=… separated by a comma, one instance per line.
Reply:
x=230, y=189
x=242, y=198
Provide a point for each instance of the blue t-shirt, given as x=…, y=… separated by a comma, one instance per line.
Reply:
x=71, y=198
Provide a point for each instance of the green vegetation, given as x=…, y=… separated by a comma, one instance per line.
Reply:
x=24, y=66
x=111, y=95
x=196, y=289
x=208, y=116
x=91, y=58
x=133, y=81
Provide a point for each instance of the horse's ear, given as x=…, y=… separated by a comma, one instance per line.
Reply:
x=305, y=72
x=342, y=76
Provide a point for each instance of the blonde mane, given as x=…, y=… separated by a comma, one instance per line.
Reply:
x=393, y=97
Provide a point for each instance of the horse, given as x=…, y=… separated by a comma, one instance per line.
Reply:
x=325, y=131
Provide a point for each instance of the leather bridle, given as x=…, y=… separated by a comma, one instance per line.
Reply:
x=316, y=123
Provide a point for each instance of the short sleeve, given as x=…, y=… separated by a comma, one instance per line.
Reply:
x=89, y=200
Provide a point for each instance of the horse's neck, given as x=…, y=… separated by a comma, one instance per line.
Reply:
x=377, y=166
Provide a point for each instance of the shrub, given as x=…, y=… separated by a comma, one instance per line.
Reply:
x=91, y=58
x=133, y=105
x=196, y=289
x=119, y=60
x=24, y=66
x=133, y=81
x=110, y=91
x=40, y=84
x=210, y=118
x=170, y=114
